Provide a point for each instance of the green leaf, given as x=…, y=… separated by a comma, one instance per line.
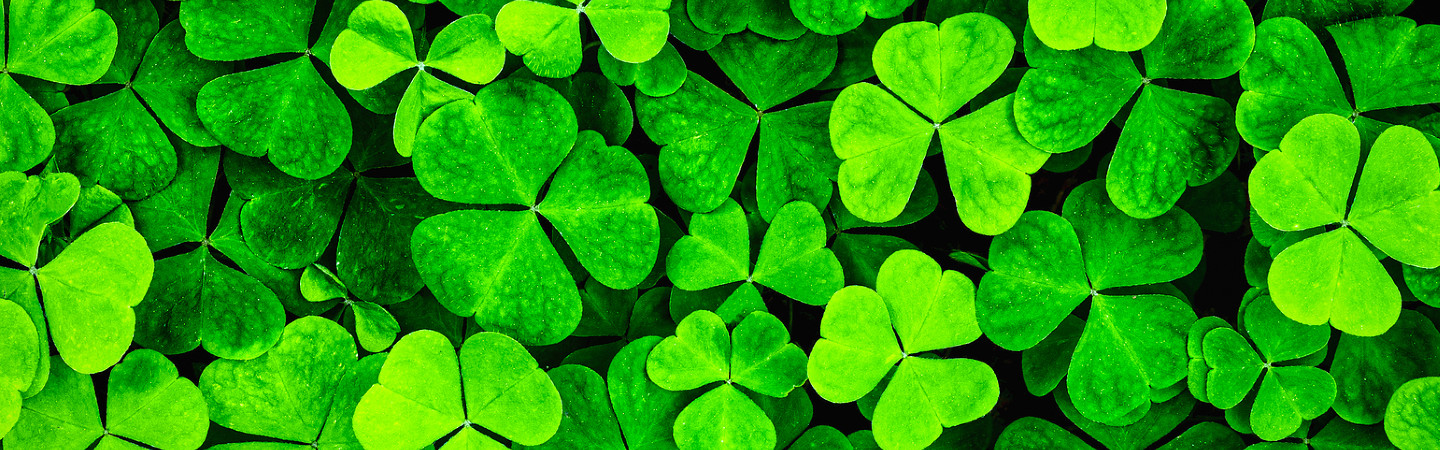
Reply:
x=1158, y=422
x=771, y=18
x=928, y=395
x=1287, y=78
x=1410, y=419
x=658, y=77
x=698, y=354
x=1368, y=370
x=793, y=259
x=972, y=52
x=65, y=414
x=705, y=134
x=770, y=71
x=195, y=300
x=762, y=357
x=1173, y=139
x=1130, y=345
x=1118, y=25
x=29, y=133
x=517, y=130
x=149, y=402
x=1039, y=263
x=854, y=62
x=500, y=267
x=1306, y=183
x=646, y=412
x=588, y=420
x=1334, y=277
x=288, y=392
x=1234, y=368
x=1032, y=433
x=1320, y=13
x=1230, y=36
x=34, y=202
x=377, y=45
x=1045, y=365
x=1287, y=396
x=225, y=30
x=835, y=18
x=857, y=347
x=931, y=309
x=66, y=41
x=1277, y=337
x=822, y=437
x=1122, y=251
x=716, y=250
x=375, y=328
x=285, y=110
x=1396, y=206
x=1389, y=61
x=1206, y=435
x=1423, y=284
x=291, y=222
x=423, y=97
x=724, y=419
x=114, y=142
x=417, y=398
x=597, y=200
x=506, y=391
x=599, y=104
x=373, y=256
x=633, y=31
x=169, y=80
x=90, y=290
x=883, y=144
x=1066, y=99
x=795, y=161
x=468, y=49
x=20, y=350
x=547, y=36
x=989, y=165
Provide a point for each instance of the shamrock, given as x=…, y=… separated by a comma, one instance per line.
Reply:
x=378, y=45
x=87, y=291
x=928, y=309
x=756, y=355
x=303, y=391
x=1388, y=61
x=374, y=327
x=146, y=402
x=883, y=142
x=68, y=42
x=706, y=134
x=1291, y=388
x=548, y=36
x=1171, y=139
x=115, y=140
x=792, y=260
x=497, y=264
x=1306, y=183
x=421, y=395
x=1133, y=340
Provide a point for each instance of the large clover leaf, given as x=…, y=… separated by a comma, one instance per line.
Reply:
x=422, y=396
x=1171, y=139
x=1333, y=277
x=833, y=18
x=706, y=134
x=1290, y=76
x=757, y=355
x=285, y=110
x=793, y=259
x=378, y=44
x=1116, y=25
x=548, y=36
x=146, y=402
x=1368, y=370
x=1290, y=391
x=304, y=390
x=67, y=42
x=1411, y=419
x=883, y=143
x=1047, y=265
x=769, y=18
x=498, y=265
x=927, y=309
x=19, y=351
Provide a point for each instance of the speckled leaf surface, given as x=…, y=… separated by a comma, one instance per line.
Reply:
x=705, y=134
x=114, y=142
x=90, y=291
x=1119, y=25
x=67, y=41
x=285, y=111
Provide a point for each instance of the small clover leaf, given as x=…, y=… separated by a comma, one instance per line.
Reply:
x=548, y=36
x=793, y=259
x=19, y=351
x=147, y=402
x=882, y=142
x=374, y=327
x=770, y=18
x=658, y=77
x=421, y=396
x=1411, y=420
x=1117, y=25
x=1306, y=184
x=928, y=309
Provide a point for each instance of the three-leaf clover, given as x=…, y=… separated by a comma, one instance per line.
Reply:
x=793, y=259
x=705, y=134
x=195, y=299
x=1291, y=388
x=497, y=264
x=1388, y=60
x=915, y=308
x=375, y=328
x=89, y=290
x=67, y=42
x=378, y=44
x=935, y=70
x=1307, y=183
x=303, y=391
x=548, y=36
x=285, y=110
x=756, y=355
x=1133, y=340
x=1117, y=25
x=146, y=403
x=1171, y=139
x=116, y=140
x=424, y=393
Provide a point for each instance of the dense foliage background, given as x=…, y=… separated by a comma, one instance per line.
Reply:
x=719, y=224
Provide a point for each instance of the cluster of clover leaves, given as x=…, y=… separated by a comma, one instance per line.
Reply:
x=421, y=224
